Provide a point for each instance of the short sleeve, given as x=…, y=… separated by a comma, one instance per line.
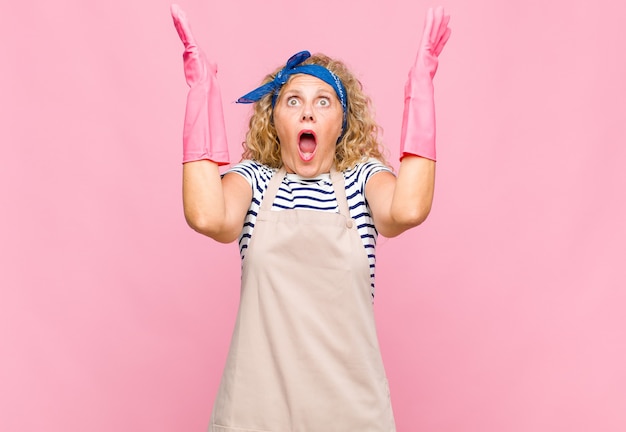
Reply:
x=368, y=169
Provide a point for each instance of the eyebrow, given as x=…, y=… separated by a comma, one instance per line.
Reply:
x=319, y=91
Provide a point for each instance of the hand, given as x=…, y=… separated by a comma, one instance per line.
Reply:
x=434, y=37
x=418, y=123
x=204, y=132
x=196, y=64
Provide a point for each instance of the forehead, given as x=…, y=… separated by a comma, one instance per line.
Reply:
x=306, y=82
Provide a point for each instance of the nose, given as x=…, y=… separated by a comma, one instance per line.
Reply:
x=307, y=113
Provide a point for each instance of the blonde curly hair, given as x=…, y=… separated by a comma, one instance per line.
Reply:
x=359, y=141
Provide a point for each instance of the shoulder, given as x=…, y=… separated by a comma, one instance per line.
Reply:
x=360, y=174
x=254, y=172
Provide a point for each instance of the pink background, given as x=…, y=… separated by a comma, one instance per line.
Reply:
x=503, y=312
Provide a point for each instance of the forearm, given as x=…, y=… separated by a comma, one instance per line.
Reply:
x=203, y=197
x=413, y=192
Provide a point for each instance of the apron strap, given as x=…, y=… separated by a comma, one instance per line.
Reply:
x=272, y=189
x=339, y=185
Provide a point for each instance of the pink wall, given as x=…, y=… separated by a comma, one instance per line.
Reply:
x=503, y=312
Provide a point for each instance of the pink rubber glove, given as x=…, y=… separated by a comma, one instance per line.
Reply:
x=204, y=132
x=418, y=123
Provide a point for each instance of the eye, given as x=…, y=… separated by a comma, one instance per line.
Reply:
x=324, y=102
x=292, y=101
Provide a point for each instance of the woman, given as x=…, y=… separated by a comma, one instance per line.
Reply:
x=306, y=205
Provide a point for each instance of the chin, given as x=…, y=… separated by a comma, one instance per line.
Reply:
x=306, y=171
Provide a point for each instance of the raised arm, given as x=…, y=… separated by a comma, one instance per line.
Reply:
x=213, y=206
x=405, y=202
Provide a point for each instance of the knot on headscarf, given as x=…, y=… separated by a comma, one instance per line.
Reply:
x=281, y=78
x=294, y=66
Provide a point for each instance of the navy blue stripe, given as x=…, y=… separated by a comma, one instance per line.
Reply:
x=309, y=198
x=349, y=197
x=276, y=205
x=354, y=206
x=309, y=189
x=303, y=206
x=284, y=198
x=350, y=184
x=310, y=207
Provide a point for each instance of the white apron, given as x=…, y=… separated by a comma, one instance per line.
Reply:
x=304, y=356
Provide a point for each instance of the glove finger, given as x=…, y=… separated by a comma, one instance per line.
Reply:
x=182, y=26
x=443, y=33
x=424, y=45
x=437, y=20
x=443, y=26
x=428, y=26
x=442, y=42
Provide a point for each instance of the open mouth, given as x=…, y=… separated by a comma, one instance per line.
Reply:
x=307, y=144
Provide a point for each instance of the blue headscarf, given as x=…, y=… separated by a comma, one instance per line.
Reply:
x=294, y=67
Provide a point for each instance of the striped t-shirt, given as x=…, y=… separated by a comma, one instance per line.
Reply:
x=316, y=193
